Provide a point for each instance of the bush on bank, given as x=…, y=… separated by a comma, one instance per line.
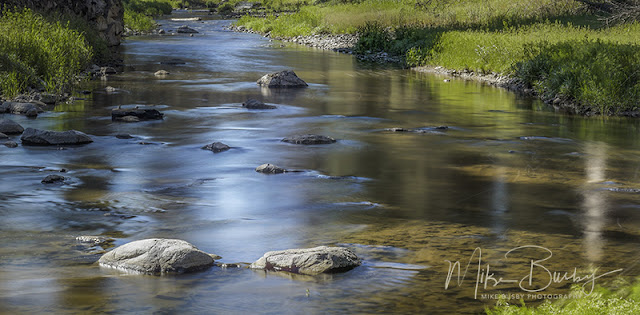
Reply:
x=36, y=52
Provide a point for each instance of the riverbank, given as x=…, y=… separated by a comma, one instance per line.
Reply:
x=562, y=51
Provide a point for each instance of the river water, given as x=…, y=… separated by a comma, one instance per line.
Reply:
x=506, y=173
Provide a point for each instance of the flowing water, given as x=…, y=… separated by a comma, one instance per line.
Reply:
x=506, y=173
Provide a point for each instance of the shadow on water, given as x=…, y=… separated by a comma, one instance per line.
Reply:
x=506, y=172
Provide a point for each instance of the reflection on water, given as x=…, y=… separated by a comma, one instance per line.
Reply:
x=506, y=173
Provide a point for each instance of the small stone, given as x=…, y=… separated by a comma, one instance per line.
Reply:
x=282, y=79
x=52, y=179
x=110, y=89
x=11, y=144
x=270, y=169
x=161, y=73
x=32, y=113
x=94, y=240
x=185, y=29
x=216, y=147
x=309, y=261
x=309, y=139
x=398, y=129
x=255, y=104
x=124, y=136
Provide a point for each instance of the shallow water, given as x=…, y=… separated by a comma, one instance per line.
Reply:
x=506, y=173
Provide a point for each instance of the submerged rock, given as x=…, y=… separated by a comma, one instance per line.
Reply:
x=282, y=79
x=94, y=240
x=157, y=256
x=186, y=30
x=309, y=139
x=32, y=113
x=53, y=179
x=3, y=136
x=216, y=147
x=309, y=261
x=124, y=136
x=255, y=104
x=45, y=137
x=270, y=169
x=10, y=127
x=11, y=144
x=123, y=114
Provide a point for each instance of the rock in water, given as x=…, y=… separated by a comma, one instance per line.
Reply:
x=161, y=73
x=309, y=139
x=216, y=147
x=310, y=261
x=186, y=30
x=270, y=169
x=45, y=137
x=157, y=256
x=52, y=179
x=140, y=113
x=19, y=108
x=255, y=104
x=282, y=79
x=3, y=136
x=10, y=127
x=11, y=144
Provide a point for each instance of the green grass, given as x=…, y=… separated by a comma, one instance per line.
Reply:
x=38, y=53
x=625, y=300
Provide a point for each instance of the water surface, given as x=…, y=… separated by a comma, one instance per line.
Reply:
x=506, y=173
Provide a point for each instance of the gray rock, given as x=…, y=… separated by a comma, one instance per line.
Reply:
x=19, y=108
x=309, y=139
x=45, y=137
x=216, y=147
x=186, y=30
x=94, y=240
x=32, y=113
x=10, y=127
x=3, y=136
x=48, y=98
x=255, y=104
x=110, y=89
x=310, y=261
x=140, y=113
x=282, y=79
x=128, y=118
x=53, y=179
x=270, y=169
x=124, y=136
x=11, y=144
x=157, y=256
x=161, y=73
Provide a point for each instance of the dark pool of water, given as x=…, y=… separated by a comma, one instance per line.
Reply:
x=506, y=173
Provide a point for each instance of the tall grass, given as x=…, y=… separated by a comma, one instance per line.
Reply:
x=624, y=300
x=35, y=52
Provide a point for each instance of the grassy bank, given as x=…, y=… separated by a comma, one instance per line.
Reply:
x=558, y=48
x=624, y=299
x=44, y=52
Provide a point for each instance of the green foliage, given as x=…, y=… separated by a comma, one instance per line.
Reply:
x=149, y=7
x=601, y=301
x=373, y=38
x=597, y=74
x=138, y=21
x=35, y=52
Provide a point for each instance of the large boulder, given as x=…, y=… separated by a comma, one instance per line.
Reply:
x=140, y=113
x=309, y=139
x=157, y=256
x=255, y=104
x=19, y=108
x=45, y=137
x=309, y=261
x=282, y=79
x=10, y=127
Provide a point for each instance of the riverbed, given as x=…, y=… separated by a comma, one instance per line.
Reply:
x=482, y=170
